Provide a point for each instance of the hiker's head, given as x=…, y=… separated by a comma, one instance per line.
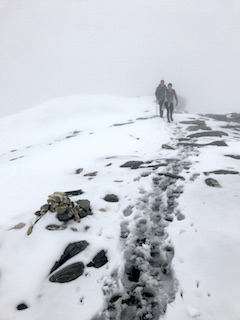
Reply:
x=162, y=82
x=169, y=85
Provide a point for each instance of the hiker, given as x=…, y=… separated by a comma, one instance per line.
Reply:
x=160, y=94
x=170, y=96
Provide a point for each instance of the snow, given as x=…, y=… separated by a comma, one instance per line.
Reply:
x=41, y=149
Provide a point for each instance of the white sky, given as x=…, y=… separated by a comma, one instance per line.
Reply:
x=207, y=257
x=53, y=48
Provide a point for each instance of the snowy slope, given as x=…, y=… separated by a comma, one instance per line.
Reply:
x=41, y=150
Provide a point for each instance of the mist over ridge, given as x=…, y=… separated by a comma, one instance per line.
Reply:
x=123, y=48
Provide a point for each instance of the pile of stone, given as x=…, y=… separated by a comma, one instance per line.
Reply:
x=65, y=208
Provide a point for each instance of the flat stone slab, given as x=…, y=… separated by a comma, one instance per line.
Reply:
x=235, y=117
x=171, y=175
x=68, y=273
x=132, y=164
x=212, y=183
x=233, y=156
x=208, y=134
x=71, y=250
x=221, y=172
x=199, y=145
x=111, y=198
x=99, y=260
x=122, y=124
x=73, y=192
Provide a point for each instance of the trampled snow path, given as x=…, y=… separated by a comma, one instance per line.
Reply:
x=146, y=285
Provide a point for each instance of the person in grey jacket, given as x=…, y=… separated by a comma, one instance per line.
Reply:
x=160, y=94
x=170, y=96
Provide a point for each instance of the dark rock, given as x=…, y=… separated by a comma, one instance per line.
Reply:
x=212, y=183
x=166, y=146
x=78, y=171
x=108, y=165
x=85, y=205
x=68, y=273
x=122, y=124
x=208, y=134
x=73, y=193
x=199, y=145
x=235, y=117
x=91, y=174
x=64, y=217
x=71, y=250
x=54, y=227
x=72, y=213
x=132, y=164
x=221, y=172
x=16, y=158
x=232, y=156
x=111, y=198
x=99, y=260
x=170, y=175
x=199, y=123
x=196, y=128
x=22, y=306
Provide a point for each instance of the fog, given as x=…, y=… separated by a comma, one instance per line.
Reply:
x=54, y=48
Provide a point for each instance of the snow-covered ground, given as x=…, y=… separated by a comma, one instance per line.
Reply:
x=42, y=148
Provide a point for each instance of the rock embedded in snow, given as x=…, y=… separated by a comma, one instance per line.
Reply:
x=223, y=171
x=99, y=260
x=69, y=273
x=91, y=174
x=54, y=227
x=237, y=157
x=166, y=146
x=132, y=164
x=208, y=134
x=199, y=145
x=71, y=250
x=111, y=198
x=212, y=183
x=22, y=306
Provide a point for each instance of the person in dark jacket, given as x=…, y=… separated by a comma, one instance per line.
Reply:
x=160, y=94
x=170, y=97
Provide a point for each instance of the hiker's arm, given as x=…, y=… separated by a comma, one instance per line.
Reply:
x=176, y=98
